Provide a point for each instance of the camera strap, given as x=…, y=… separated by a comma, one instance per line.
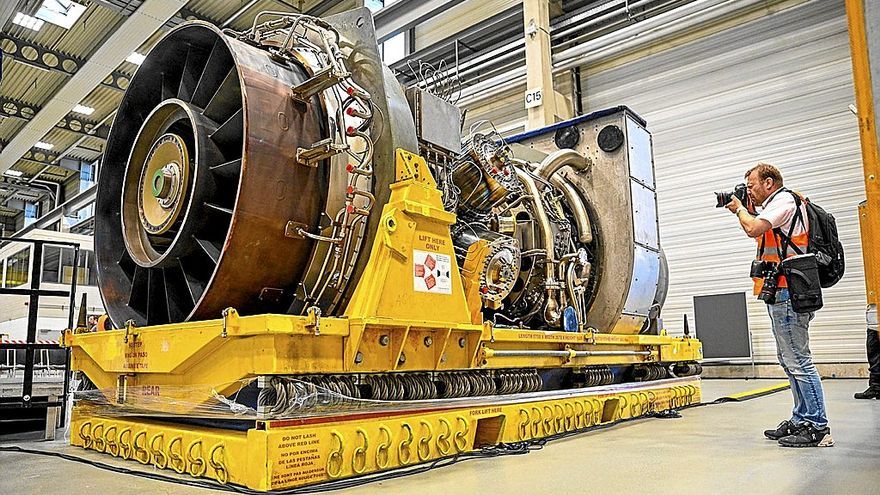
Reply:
x=761, y=244
x=786, y=239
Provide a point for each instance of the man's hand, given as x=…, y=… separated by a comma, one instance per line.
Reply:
x=735, y=204
x=752, y=226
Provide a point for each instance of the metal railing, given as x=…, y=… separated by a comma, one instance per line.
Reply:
x=30, y=345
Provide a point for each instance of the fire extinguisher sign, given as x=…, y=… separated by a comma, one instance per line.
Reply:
x=432, y=272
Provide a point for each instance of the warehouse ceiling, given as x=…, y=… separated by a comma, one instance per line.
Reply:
x=66, y=63
x=65, y=66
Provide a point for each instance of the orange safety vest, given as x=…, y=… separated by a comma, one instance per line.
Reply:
x=772, y=248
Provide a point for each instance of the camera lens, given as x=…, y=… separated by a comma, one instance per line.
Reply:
x=722, y=199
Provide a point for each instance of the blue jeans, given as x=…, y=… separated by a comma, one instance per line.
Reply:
x=793, y=350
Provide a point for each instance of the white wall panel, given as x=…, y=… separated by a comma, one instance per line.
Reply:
x=774, y=89
x=507, y=109
x=458, y=18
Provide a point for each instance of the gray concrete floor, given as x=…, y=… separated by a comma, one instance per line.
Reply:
x=715, y=449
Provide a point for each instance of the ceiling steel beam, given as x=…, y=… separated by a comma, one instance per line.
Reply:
x=139, y=26
x=127, y=7
x=34, y=154
x=62, y=154
x=321, y=7
x=37, y=155
x=75, y=203
x=238, y=13
x=73, y=123
x=405, y=14
x=6, y=11
x=507, y=23
x=54, y=61
x=17, y=189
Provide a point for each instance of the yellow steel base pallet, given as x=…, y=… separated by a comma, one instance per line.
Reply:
x=186, y=361
x=283, y=454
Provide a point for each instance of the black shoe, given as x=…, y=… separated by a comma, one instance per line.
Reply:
x=784, y=429
x=808, y=435
x=870, y=393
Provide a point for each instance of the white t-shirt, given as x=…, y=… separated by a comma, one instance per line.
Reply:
x=778, y=209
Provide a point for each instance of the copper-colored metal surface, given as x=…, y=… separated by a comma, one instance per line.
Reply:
x=228, y=103
x=260, y=265
x=395, y=130
x=201, y=179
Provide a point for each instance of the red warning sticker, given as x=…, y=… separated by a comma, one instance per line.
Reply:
x=432, y=272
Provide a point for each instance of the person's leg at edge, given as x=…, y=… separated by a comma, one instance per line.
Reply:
x=872, y=347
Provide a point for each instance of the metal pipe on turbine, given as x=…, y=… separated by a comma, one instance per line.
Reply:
x=551, y=308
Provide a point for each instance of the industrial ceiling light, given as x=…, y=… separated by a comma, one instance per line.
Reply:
x=62, y=13
x=13, y=173
x=82, y=109
x=136, y=58
x=44, y=146
x=27, y=21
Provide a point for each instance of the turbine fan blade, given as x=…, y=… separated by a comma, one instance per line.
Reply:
x=178, y=297
x=228, y=170
x=210, y=248
x=157, y=302
x=216, y=69
x=219, y=208
x=226, y=100
x=192, y=72
x=228, y=136
x=169, y=86
x=138, y=295
x=127, y=264
x=194, y=287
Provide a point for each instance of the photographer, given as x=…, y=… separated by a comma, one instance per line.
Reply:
x=808, y=426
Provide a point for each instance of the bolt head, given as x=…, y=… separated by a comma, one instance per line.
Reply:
x=384, y=340
x=462, y=342
x=428, y=341
x=359, y=358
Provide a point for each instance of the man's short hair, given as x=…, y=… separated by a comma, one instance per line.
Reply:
x=765, y=171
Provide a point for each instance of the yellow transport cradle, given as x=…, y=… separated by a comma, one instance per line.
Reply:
x=388, y=327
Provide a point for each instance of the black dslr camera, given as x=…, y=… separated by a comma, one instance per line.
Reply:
x=724, y=197
x=769, y=271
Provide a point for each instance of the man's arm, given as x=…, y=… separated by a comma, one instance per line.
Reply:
x=752, y=226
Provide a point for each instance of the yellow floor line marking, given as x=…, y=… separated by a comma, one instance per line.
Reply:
x=758, y=391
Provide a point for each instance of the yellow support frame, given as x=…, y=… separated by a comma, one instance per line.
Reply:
x=394, y=323
x=869, y=211
x=185, y=362
x=284, y=454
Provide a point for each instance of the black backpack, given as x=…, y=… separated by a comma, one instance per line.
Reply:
x=823, y=242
